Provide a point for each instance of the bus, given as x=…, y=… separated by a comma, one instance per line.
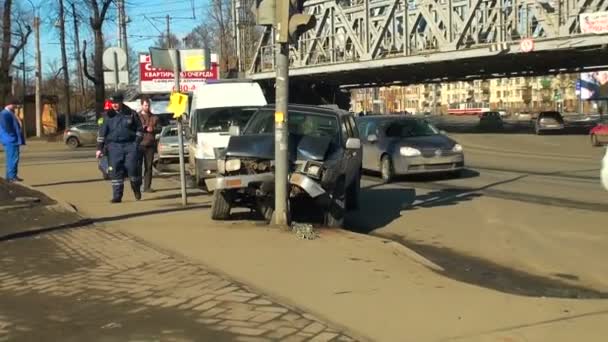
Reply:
x=468, y=108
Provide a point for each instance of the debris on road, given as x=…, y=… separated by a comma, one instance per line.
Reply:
x=304, y=231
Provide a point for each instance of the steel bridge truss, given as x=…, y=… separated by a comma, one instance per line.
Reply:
x=365, y=30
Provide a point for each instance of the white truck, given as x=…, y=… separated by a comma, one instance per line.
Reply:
x=215, y=107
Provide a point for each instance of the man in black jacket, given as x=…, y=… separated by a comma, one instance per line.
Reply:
x=121, y=133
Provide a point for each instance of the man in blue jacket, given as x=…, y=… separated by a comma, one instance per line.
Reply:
x=12, y=138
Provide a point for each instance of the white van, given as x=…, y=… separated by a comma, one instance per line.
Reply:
x=215, y=107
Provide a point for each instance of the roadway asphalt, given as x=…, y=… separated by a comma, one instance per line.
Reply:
x=527, y=216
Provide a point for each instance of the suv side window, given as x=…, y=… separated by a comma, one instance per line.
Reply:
x=345, y=130
x=353, y=126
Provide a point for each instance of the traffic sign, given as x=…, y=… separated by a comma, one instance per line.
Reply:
x=108, y=58
x=177, y=104
x=527, y=45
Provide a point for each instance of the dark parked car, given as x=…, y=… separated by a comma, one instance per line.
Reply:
x=549, y=121
x=395, y=145
x=490, y=121
x=324, y=163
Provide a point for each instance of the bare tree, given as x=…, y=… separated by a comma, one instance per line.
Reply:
x=64, y=64
x=98, y=10
x=10, y=50
x=164, y=41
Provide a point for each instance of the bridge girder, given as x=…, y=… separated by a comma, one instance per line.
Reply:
x=372, y=33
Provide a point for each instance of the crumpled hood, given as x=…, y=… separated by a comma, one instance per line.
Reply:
x=262, y=146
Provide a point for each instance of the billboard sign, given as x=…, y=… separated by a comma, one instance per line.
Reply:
x=594, y=85
x=154, y=80
x=596, y=22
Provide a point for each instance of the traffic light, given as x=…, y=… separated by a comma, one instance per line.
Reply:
x=290, y=21
x=264, y=12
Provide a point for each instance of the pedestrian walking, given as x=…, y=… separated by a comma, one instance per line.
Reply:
x=11, y=136
x=121, y=133
x=147, y=146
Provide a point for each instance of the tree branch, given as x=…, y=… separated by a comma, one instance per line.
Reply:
x=21, y=45
x=104, y=9
x=84, y=64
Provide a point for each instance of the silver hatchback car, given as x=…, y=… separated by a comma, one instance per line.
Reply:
x=398, y=145
x=84, y=134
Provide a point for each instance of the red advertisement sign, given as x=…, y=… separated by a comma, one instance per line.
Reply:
x=154, y=80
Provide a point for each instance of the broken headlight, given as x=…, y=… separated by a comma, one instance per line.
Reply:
x=314, y=170
x=233, y=165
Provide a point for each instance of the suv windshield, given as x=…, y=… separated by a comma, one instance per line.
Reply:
x=410, y=128
x=211, y=120
x=300, y=123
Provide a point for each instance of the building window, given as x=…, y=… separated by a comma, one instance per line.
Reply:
x=498, y=94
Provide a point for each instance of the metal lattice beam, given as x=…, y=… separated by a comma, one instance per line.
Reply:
x=365, y=31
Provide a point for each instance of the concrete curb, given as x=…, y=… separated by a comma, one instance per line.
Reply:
x=63, y=204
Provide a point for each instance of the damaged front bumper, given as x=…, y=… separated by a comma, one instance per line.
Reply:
x=309, y=185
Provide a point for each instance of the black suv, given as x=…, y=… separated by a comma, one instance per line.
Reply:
x=324, y=163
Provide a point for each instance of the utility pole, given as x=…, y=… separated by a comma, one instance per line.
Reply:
x=280, y=216
x=64, y=64
x=77, y=53
x=122, y=27
x=38, y=78
x=168, y=43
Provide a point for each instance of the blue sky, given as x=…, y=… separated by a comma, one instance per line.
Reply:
x=141, y=32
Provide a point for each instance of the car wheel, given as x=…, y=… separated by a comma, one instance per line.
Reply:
x=220, y=209
x=73, y=142
x=334, y=215
x=352, y=193
x=595, y=141
x=386, y=169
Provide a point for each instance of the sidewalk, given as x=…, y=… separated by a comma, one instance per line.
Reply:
x=375, y=288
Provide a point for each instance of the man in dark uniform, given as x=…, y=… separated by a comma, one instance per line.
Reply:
x=120, y=133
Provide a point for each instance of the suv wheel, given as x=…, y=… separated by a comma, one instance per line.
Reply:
x=594, y=140
x=352, y=193
x=386, y=169
x=73, y=142
x=334, y=215
x=220, y=209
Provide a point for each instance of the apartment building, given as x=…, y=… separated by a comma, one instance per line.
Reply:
x=511, y=94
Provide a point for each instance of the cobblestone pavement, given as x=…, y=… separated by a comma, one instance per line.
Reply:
x=93, y=284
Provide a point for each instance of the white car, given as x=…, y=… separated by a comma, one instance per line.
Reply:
x=214, y=109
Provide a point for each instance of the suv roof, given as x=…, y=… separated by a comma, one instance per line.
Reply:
x=310, y=108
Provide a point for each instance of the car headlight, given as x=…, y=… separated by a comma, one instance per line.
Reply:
x=409, y=152
x=457, y=148
x=233, y=165
x=314, y=170
x=221, y=166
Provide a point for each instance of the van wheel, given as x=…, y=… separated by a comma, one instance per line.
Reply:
x=220, y=209
x=73, y=142
x=334, y=215
x=595, y=141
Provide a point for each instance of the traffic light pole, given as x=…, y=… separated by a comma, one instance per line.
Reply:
x=281, y=207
